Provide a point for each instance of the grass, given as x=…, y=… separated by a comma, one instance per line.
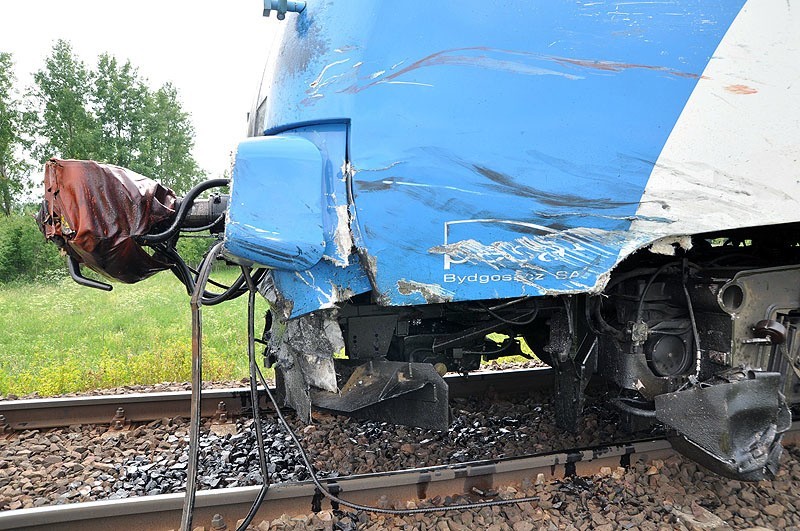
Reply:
x=59, y=337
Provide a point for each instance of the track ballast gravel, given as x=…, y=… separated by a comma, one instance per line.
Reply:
x=84, y=463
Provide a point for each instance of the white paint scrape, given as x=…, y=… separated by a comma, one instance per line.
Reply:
x=669, y=245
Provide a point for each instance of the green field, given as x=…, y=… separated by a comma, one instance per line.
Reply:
x=58, y=337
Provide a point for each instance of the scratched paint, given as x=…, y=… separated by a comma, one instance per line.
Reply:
x=741, y=89
x=343, y=77
x=342, y=237
x=731, y=160
x=543, y=129
x=432, y=293
x=556, y=261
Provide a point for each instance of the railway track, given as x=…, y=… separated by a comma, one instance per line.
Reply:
x=163, y=512
x=473, y=480
x=42, y=413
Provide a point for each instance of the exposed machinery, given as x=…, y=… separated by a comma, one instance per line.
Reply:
x=616, y=184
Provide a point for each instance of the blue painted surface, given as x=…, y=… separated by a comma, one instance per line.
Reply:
x=322, y=286
x=499, y=149
x=339, y=273
x=275, y=218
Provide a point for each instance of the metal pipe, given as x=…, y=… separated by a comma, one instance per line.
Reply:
x=75, y=272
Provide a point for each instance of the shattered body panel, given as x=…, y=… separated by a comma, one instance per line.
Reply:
x=303, y=349
x=507, y=159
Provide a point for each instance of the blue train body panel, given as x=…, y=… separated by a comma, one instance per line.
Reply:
x=286, y=172
x=486, y=151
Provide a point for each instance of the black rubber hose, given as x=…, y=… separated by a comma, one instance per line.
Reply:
x=251, y=355
x=204, y=227
x=633, y=410
x=197, y=386
x=183, y=210
x=187, y=277
x=75, y=272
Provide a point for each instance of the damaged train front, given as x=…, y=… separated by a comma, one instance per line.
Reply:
x=305, y=240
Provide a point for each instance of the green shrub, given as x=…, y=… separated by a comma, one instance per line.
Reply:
x=24, y=253
x=193, y=249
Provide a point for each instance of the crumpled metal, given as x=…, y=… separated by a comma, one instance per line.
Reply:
x=96, y=211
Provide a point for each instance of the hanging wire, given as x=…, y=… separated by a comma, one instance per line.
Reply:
x=255, y=372
x=366, y=508
x=692, y=320
x=251, y=355
x=528, y=317
x=197, y=384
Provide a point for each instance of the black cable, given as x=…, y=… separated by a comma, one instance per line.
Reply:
x=204, y=227
x=231, y=293
x=197, y=386
x=183, y=210
x=623, y=405
x=619, y=335
x=187, y=277
x=191, y=480
x=335, y=499
x=210, y=280
x=514, y=321
x=251, y=355
x=621, y=277
x=507, y=304
x=179, y=267
x=695, y=333
x=640, y=308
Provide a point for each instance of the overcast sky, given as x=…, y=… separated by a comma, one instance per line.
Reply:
x=212, y=51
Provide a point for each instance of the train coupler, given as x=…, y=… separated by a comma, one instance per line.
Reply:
x=731, y=424
x=413, y=394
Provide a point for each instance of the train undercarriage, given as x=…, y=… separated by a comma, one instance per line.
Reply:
x=703, y=341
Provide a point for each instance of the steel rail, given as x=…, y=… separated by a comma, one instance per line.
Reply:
x=42, y=413
x=162, y=512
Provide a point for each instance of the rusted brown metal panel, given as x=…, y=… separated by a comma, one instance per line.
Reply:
x=95, y=211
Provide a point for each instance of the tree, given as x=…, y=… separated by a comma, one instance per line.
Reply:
x=120, y=98
x=62, y=88
x=14, y=168
x=168, y=139
x=110, y=115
